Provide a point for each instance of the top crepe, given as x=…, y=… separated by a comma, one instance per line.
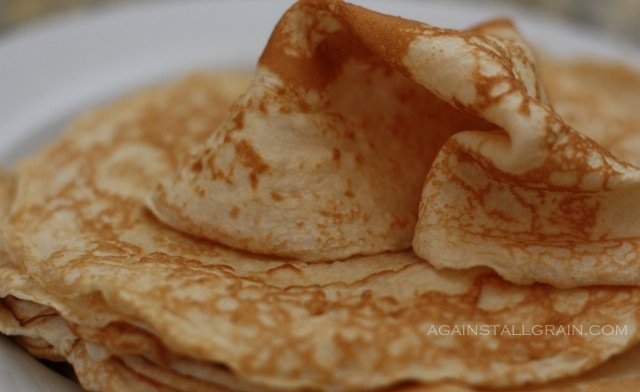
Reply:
x=80, y=241
x=364, y=133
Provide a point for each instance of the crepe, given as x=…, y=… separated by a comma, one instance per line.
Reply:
x=326, y=156
x=80, y=236
x=133, y=302
x=601, y=100
x=117, y=367
x=100, y=369
x=94, y=370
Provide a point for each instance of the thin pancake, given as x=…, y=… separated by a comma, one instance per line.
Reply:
x=80, y=230
x=601, y=100
x=18, y=317
x=364, y=133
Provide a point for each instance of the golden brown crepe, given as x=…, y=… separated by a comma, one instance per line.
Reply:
x=79, y=230
x=89, y=274
x=99, y=370
x=601, y=100
x=326, y=156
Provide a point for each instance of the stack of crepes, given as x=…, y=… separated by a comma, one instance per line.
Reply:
x=379, y=179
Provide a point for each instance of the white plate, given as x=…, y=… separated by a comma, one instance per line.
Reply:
x=51, y=71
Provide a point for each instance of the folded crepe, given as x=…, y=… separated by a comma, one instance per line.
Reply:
x=365, y=132
x=89, y=274
x=79, y=240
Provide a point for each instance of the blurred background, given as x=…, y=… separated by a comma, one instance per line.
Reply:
x=619, y=17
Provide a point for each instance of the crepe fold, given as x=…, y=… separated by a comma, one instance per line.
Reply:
x=91, y=275
x=364, y=132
